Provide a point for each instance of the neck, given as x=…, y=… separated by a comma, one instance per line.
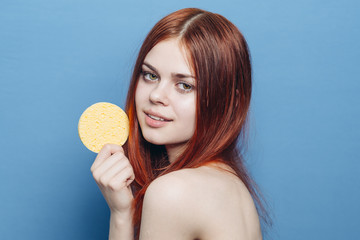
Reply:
x=174, y=151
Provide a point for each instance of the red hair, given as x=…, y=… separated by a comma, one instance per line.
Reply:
x=219, y=57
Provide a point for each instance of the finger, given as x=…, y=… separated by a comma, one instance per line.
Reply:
x=130, y=180
x=107, y=164
x=122, y=179
x=111, y=172
x=106, y=151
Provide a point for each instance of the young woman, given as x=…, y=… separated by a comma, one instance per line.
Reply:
x=180, y=175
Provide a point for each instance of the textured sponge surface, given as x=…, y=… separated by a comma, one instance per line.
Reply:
x=103, y=123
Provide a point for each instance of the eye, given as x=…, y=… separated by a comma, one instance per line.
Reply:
x=185, y=86
x=149, y=76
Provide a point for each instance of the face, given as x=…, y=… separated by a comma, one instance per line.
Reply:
x=165, y=96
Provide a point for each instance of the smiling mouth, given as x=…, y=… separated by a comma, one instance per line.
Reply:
x=157, y=118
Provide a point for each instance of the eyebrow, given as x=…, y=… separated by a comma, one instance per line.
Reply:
x=177, y=75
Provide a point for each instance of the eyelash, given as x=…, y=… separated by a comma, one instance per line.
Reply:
x=185, y=85
x=145, y=73
x=145, y=76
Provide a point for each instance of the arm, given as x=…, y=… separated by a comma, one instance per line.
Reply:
x=170, y=210
x=121, y=226
x=114, y=174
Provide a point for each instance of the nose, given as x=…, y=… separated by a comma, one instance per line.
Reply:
x=159, y=94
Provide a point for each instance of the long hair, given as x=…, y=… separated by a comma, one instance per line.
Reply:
x=219, y=57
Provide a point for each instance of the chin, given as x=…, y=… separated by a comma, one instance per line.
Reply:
x=153, y=139
x=163, y=137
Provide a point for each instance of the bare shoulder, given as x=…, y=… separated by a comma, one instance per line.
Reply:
x=202, y=203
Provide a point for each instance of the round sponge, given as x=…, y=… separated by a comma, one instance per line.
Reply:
x=103, y=123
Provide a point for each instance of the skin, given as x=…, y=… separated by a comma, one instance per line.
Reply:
x=113, y=174
x=167, y=89
x=200, y=203
x=208, y=202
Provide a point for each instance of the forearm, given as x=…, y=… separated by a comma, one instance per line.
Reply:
x=121, y=226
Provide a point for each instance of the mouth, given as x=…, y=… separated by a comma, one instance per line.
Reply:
x=157, y=117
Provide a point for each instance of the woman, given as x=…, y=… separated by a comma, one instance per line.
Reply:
x=181, y=176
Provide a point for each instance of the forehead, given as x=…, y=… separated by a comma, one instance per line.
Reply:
x=169, y=56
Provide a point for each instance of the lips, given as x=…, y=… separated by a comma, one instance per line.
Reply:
x=155, y=120
x=156, y=116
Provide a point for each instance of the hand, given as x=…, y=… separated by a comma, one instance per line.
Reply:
x=114, y=174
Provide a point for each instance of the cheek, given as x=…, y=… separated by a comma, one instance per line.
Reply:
x=139, y=94
x=189, y=121
x=186, y=110
x=137, y=100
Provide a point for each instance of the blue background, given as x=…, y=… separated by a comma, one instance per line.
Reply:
x=59, y=57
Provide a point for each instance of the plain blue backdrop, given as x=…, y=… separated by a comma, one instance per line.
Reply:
x=59, y=57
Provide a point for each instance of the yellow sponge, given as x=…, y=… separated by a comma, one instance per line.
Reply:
x=103, y=123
